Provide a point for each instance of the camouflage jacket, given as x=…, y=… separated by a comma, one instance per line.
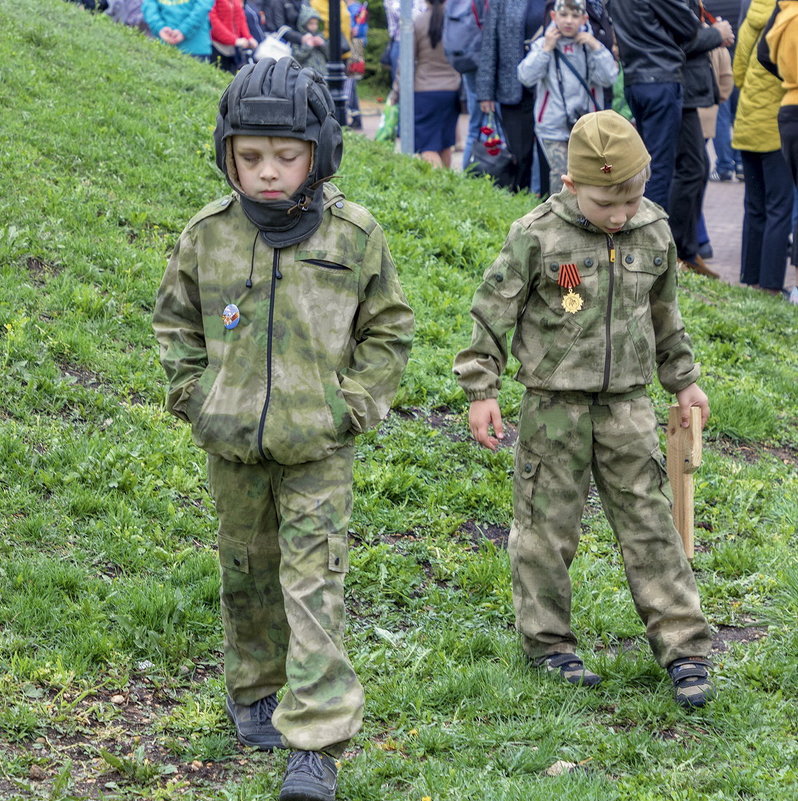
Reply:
x=322, y=338
x=628, y=320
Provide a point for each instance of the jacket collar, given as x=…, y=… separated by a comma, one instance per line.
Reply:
x=563, y=204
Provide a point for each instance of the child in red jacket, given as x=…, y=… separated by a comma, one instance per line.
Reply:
x=229, y=34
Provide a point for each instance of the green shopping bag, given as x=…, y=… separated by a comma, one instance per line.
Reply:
x=389, y=123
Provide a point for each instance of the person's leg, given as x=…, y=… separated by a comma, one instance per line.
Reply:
x=778, y=213
x=353, y=105
x=323, y=704
x=788, y=130
x=701, y=232
x=255, y=627
x=474, y=114
x=552, y=476
x=629, y=471
x=689, y=177
x=724, y=158
x=394, y=56
x=542, y=167
x=432, y=157
x=657, y=109
x=557, y=157
x=754, y=218
x=518, y=124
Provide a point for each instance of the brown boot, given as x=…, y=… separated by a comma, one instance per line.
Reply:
x=698, y=265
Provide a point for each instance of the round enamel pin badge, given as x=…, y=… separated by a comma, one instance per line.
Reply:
x=230, y=316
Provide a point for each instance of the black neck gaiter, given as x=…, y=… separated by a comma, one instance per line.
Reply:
x=286, y=222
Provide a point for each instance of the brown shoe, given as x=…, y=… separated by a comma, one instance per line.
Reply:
x=698, y=265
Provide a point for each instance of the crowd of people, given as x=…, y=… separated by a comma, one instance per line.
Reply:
x=227, y=33
x=683, y=71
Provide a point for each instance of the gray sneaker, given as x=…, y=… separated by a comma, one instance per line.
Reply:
x=570, y=668
x=691, y=683
x=254, y=723
x=309, y=776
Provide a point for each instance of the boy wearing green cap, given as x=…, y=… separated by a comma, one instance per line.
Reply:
x=588, y=281
x=284, y=333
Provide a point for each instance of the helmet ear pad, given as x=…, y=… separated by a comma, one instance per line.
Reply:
x=330, y=149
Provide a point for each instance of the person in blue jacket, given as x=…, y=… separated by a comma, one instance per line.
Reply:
x=182, y=23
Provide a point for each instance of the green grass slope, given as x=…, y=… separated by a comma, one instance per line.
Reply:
x=110, y=676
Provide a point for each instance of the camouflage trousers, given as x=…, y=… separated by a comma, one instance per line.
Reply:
x=283, y=553
x=557, y=156
x=562, y=438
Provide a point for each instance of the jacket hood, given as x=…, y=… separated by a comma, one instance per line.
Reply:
x=564, y=205
x=307, y=13
x=788, y=13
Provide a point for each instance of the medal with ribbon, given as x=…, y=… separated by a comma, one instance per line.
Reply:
x=568, y=278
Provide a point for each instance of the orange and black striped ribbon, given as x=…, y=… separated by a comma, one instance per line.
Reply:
x=569, y=276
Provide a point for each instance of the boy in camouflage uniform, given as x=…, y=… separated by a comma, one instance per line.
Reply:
x=588, y=281
x=283, y=332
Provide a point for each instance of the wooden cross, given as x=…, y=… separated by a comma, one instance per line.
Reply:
x=683, y=459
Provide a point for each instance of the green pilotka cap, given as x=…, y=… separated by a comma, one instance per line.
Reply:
x=605, y=149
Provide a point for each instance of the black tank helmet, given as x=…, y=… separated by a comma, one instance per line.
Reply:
x=280, y=98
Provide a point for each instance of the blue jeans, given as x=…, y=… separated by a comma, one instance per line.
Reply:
x=474, y=113
x=728, y=159
x=657, y=109
x=767, y=220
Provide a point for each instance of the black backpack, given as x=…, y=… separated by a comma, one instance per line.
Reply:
x=462, y=32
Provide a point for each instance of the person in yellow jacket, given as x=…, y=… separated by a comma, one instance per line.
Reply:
x=782, y=41
x=322, y=8
x=768, y=187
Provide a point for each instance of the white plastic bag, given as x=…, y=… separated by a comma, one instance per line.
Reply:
x=273, y=45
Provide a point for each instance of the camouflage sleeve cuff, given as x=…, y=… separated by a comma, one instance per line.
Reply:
x=485, y=394
x=684, y=381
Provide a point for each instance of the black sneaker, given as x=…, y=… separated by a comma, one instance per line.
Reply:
x=254, y=723
x=692, y=686
x=309, y=776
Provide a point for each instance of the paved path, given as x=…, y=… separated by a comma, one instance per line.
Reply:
x=723, y=208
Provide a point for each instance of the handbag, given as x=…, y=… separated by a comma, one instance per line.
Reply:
x=490, y=156
x=273, y=45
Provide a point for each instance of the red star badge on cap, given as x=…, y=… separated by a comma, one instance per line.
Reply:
x=607, y=168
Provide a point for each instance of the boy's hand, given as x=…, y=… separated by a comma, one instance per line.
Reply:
x=481, y=416
x=487, y=106
x=586, y=38
x=551, y=38
x=692, y=396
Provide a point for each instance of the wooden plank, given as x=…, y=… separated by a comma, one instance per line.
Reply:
x=683, y=459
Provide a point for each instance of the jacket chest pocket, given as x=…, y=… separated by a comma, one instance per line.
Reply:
x=326, y=295
x=581, y=265
x=641, y=267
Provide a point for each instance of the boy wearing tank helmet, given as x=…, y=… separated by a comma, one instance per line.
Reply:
x=283, y=332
